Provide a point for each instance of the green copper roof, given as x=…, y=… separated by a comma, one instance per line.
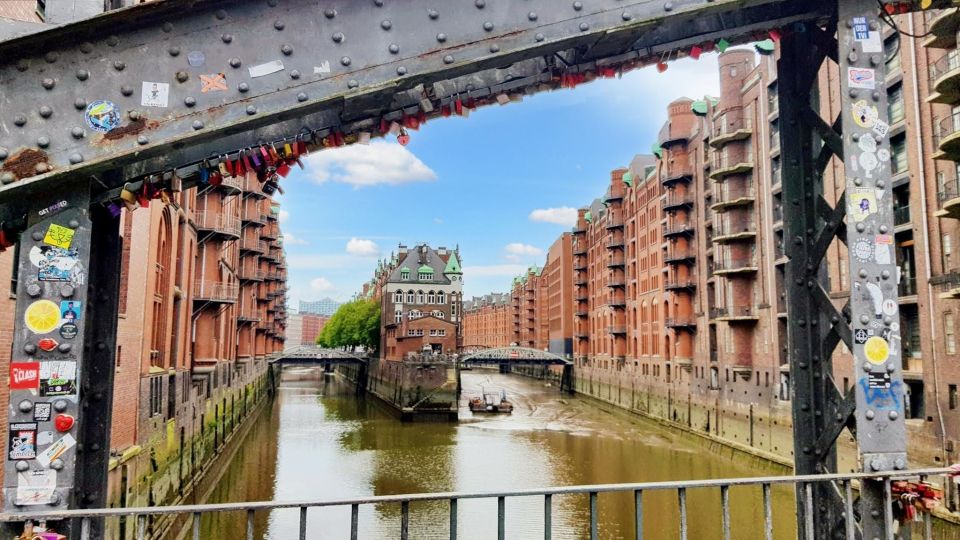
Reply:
x=699, y=108
x=453, y=265
x=274, y=209
x=405, y=269
x=657, y=151
x=723, y=45
x=425, y=269
x=588, y=217
x=628, y=178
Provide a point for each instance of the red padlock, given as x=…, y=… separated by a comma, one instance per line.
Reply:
x=403, y=139
x=64, y=422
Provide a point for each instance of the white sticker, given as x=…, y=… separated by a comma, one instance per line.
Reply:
x=862, y=78
x=324, y=67
x=873, y=43
x=36, y=487
x=266, y=69
x=881, y=128
x=868, y=160
x=867, y=143
x=883, y=154
x=155, y=94
x=56, y=450
x=889, y=307
x=895, y=327
x=44, y=437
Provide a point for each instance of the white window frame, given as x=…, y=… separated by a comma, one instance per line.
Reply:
x=420, y=297
x=410, y=297
x=431, y=298
x=441, y=298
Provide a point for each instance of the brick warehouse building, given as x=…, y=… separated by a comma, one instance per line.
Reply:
x=420, y=292
x=678, y=269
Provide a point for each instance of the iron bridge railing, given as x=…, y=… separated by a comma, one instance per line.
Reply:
x=846, y=483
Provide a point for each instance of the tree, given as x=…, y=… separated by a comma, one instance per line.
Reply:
x=355, y=324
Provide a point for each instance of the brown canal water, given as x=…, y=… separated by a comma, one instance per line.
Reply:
x=320, y=441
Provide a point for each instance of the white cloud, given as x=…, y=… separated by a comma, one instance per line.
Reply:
x=290, y=240
x=516, y=248
x=363, y=248
x=359, y=165
x=563, y=215
x=494, y=270
x=284, y=216
x=322, y=285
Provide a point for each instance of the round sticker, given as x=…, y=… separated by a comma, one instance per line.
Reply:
x=196, y=58
x=42, y=316
x=867, y=144
x=864, y=114
x=895, y=327
x=883, y=154
x=889, y=307
x=877, y=350
x=863, y=250
x=102, y=116
x=68, y=331
x=868, y=160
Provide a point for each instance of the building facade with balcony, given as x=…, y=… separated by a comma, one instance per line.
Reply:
x=488, y=322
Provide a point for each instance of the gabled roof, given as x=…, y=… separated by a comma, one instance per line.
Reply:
x=425, y=269
x=453, y=265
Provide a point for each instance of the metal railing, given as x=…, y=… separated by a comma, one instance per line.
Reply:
x=945, y=127
x=673, y=229
x=901, y=215
x=907, y=286
x=733, y=263
x=733, y=311
x=947, y=63
x=255, y=245
x=676, y=201
x=252, y=214
x=733, y=226
x=730, y=123
x=680, y=322
x=734, y=192
x=215, y=291
x=763, y=487
x=948, y=190
x=220, y=222
x=613, y=262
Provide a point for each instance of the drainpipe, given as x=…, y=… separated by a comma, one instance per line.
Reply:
x=926, y=239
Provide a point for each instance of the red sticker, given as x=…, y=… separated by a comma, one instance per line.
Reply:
x=25, y=376
x=47, y=344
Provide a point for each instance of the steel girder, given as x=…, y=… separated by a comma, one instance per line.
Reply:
x=292, y=67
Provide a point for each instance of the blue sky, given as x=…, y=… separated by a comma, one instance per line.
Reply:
x=495, y=183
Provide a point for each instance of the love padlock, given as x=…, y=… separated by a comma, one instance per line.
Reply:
x=64, y=422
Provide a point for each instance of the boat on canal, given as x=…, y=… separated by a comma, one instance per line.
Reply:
x=491, y=401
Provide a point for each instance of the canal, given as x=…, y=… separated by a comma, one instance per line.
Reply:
x=319, y=440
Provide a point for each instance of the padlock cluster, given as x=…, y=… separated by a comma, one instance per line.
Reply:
x=912, y=499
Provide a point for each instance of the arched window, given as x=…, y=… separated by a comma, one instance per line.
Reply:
x=410, y=297
x=398, y=297
x=420, y=297
x=440, y=298
x=438, y=314
x=431, y=297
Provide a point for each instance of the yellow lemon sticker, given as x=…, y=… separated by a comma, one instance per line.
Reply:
x=877, y=350
x=59, y=236
x=42, y=317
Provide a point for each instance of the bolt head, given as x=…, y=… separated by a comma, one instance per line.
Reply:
x=401, y=70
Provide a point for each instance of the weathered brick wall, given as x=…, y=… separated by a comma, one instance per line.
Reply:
x=21, y=10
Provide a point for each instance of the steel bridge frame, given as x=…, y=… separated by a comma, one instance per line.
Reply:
x=387, y=65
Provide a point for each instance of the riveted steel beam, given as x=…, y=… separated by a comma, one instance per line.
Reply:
x=142, y=88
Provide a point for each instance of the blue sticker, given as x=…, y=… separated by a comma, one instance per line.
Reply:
x=102, y=116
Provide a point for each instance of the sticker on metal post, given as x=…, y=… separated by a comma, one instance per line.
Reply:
x=865, y=78
x=42, y=317
x=56, y=450
x=41, y=410
x=58, y=378
x=102, y=116
x=214, y=82
x=863, y=203
x=877, y=350
x=22, y=441
x=266, y=68
x=864, y=114
x=36, y=487
x=154, y=94
x=24, y=376
x=71, y=311
x=59, y=236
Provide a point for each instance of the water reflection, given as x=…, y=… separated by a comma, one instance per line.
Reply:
x=321, y=441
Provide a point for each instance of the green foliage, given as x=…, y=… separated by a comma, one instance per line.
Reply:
x=355, y=324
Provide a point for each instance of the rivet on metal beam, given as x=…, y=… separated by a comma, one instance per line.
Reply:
x=174, y=51
x=386, y=24
x=869, y=415
x=226, y=38
x=34, y=290
x=295, y=74
x=20, y=120
x=113, y=41
x=243, y=87
x=220, y=14
x=488, y=26
x=37, y=236
x=393, y=48
x=45, y=111
x=3, y=153
x=67, y=291
x=235, y=62
x=668, y=6
x=532, y=15
x=251, y=110
x=190, y=101
x=64, y=347
x=51, y=57
x=353, y=83
x=584, y=27
x=480, y=4
x=278, y=25
x=30, y=348
x=167, y=27
x=22, y=466
x=197, y=124
x=48, y=83
x=401, y=70
x=86, y=47
x=126, y=90
x=23, y=64
x=134, y=115
x=338, y=37
x=43, y=141
x=119, y=65
x=182, y=76
x=539, y=37
x=75, y=158
x=345, y=60
x=286, y=49
x=329, y=13
x=448, y=59
x=577, y=6
x=494, y=48
x=83, y=74
x=433, y=14
x=142, y=140
x=80, y=104
x=441, y=37
x=301, y=97
x=7, y=178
